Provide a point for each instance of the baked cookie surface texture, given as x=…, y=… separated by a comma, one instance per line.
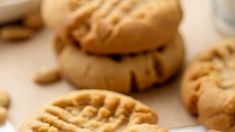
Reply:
x=114, y=26
x=93, y=111
x=208, y=87
x=122, y=73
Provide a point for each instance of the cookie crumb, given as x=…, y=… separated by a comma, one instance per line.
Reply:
x=47, y=75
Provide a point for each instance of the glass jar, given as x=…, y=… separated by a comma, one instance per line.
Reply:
x=224, y=14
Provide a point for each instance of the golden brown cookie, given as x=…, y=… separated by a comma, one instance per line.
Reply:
x=114, y=26
x=208, y=87
x=90, y=111
x=124, y=73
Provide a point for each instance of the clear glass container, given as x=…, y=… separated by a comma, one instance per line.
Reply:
x=224, y=16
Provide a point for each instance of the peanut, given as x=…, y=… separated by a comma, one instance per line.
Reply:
x=15, y=32
x=47, y=75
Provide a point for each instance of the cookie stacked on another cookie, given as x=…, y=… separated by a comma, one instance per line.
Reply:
x=121, y=45
x=124, y=73
x=208, y=87
x=114, y=26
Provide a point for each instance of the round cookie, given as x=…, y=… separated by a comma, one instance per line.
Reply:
x=114, y=26
x=91, y=111
x=208, y=87
x=124, y=73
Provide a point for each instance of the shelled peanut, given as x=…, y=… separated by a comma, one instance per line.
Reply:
x=47, y=75
x=22, y=29
x=4, y=103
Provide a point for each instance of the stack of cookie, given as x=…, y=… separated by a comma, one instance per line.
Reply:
x=120, y=45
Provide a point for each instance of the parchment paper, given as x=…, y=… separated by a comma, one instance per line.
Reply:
x=18, y=62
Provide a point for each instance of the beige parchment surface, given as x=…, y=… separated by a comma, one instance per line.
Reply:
x=18, y=62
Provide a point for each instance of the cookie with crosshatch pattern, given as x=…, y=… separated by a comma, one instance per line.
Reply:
x=208, y=87
x=114, y=26
x=122, y=73
x=93, y=111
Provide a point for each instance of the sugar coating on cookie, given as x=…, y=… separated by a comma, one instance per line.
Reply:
x=90, y=111
x=114, y=26
x=122, y=73
x=208, y=87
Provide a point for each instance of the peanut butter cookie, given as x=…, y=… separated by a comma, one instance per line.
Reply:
x=122, y=73
x=208, y=87
x=114, y=26
x=91, y=111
